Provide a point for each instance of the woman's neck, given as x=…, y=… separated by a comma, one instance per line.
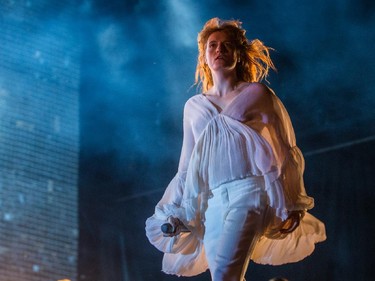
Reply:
x=223, y=84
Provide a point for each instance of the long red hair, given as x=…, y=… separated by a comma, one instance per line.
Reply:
x=254, y=58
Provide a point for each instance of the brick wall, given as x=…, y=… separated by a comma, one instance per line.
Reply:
x=39, y=141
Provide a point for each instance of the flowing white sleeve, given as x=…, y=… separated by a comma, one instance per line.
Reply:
x=290, y=162
x=286, y=192
x=170, y=203
x=184, y=253
x=284, y=176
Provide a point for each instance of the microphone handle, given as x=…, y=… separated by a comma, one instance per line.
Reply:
x=168, y=228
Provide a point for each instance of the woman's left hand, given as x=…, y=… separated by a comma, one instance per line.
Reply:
x=292, y=222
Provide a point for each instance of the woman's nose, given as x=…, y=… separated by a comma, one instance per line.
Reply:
x=220, y=48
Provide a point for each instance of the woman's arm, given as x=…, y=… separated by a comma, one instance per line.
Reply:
x=186, y=150
x=188, y=141
x=174, y=191
x=266, y=114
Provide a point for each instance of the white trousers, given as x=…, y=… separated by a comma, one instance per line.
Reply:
x=234, y=223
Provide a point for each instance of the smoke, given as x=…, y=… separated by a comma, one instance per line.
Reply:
x=138, y=63
x=139, y=59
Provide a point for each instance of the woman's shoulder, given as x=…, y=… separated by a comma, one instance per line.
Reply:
x=257, y=88
x=193, y=102
x=257, y=92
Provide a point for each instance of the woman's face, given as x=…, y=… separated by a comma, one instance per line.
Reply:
x=220, y=52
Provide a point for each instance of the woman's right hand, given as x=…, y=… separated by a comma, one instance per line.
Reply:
x=173, y=227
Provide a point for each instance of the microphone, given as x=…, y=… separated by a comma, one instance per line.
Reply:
x=167, y=228
x=173, y=228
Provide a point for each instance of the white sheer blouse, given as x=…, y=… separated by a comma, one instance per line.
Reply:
x=252, y=136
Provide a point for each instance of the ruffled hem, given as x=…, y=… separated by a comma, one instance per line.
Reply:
x=185, y=265
x=293, y=247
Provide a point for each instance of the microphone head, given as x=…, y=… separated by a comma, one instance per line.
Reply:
x=167, y=228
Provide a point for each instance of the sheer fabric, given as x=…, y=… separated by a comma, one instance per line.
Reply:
x=248, y=138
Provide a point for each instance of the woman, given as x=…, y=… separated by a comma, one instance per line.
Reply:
x=239, y=187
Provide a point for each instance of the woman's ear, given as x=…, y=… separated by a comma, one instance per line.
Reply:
x=238, y=56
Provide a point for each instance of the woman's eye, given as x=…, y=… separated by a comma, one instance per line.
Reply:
x=229, y=45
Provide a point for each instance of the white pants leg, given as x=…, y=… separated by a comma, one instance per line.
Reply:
x=233, y=226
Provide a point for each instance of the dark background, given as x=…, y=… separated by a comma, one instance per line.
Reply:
x=137, y=69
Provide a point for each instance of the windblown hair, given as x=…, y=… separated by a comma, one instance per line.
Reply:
x=254, y=58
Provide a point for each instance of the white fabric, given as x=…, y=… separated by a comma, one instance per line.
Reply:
x=247, y=139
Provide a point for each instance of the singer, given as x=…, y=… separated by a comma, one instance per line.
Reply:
x=239, y=188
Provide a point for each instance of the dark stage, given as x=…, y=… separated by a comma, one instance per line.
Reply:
x=97, y=89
